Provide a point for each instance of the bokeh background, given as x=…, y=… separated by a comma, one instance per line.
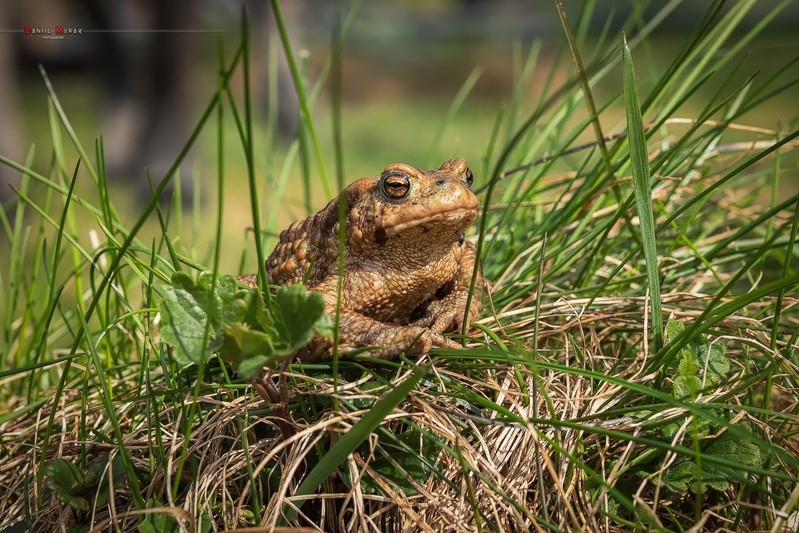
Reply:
x=141, y=71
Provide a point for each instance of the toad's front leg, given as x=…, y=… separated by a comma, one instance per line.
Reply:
x=445, y=310
x=358, y=331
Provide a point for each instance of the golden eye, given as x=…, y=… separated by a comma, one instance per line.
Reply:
x=395, y=185
x=469, y=177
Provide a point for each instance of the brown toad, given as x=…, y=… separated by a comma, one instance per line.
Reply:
x=407, y=266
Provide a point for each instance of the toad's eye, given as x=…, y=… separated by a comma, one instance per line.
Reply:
x=469, y=177
x=395, y=185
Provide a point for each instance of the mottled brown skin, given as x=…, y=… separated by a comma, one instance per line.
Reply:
x=407, y=266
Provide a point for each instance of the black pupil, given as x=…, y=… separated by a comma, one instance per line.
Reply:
x=396, y=186
x=469, y=177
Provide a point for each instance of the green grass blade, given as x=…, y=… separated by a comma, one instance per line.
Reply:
x=457, y=102
x=643, y=193
x=163, y=224
x=335, y=96
x=786, y=270
x=68, y=126
x=302, y=97
x=586, y=87
x=220, y=161
x=255, y=206
x=302, y=139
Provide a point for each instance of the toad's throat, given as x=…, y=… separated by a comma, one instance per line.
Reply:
x=457, y=218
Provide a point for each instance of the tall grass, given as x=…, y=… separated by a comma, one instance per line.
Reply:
x=635, y=367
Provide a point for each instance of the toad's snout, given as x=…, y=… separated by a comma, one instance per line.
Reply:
x=455, y=193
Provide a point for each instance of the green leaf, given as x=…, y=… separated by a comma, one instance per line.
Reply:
x=700, y=363
x=268, y=335
x=673, y=329
x=242, y=343
x=687, y=384
x=295, y=314
x=98, y=472
x=216, y=314
x=685, y=475
x=191, y=313
x=608, y=505
x=698, y=427
x=714, y=358
x=686, y=387
x=96, y=480
x=403, y=467
x=206, y=523
x=82, y=490
x=252, y=366
x=372, y=392
x=157, y=522
x=62, y=476
x=738, y=450
x=669, y=430
x=678, y=478
x=19, y=527
x=247, y=306
x=325, y=326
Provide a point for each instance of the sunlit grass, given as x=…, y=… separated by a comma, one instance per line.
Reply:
x=568, y=411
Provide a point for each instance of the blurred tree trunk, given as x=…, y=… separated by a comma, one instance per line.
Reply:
x=10, y=134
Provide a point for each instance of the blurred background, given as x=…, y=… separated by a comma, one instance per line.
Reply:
x=139, y=73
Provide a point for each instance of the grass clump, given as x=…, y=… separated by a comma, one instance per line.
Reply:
x=636, y=367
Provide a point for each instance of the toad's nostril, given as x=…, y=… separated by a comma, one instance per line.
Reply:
x=440, y=182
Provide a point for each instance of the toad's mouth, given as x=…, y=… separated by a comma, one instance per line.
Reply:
x=458, y=219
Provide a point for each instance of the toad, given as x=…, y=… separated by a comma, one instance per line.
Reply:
x=407, y=267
